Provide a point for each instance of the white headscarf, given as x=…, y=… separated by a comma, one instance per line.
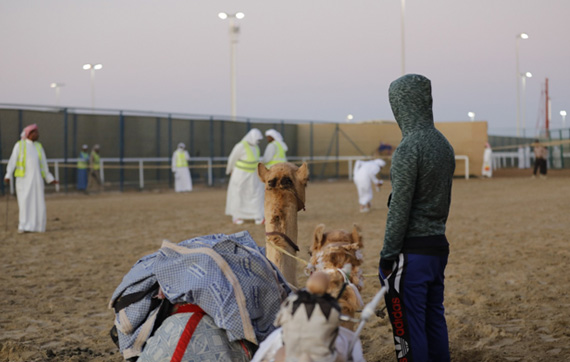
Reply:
x=253, y=136
x=273, y=133
x=277, y=137
x=181, y=145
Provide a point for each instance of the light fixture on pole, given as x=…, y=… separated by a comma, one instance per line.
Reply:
x=471, y=116
x=234, y=32
x=563, y=114
x=349, y=118
x=524, y=76
x=92, y=68
x=57, y=87
x=518, y=37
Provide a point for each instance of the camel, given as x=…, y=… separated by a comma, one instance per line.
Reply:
x=310, y=328
x=330, y=252
x=285, y=196
x=285, y=185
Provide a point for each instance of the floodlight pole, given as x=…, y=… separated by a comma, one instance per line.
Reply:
x=234, y=32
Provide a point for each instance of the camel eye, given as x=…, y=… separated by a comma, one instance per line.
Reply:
x=272, y=182
x=286, y=182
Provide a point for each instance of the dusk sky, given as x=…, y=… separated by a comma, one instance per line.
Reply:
x=296, y=59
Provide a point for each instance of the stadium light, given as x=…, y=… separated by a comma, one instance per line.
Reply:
x=57, y=87
x=92, y=68
x=234, y=32
x=518, y=37
x=349, y=118
x=563, y=114
x=471, y=116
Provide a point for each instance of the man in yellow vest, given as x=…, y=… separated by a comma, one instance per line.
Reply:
x=245, y=191
x=82, y=168
x=182, y=177
x=95, y=167
x=29, y=166
x=276, y=150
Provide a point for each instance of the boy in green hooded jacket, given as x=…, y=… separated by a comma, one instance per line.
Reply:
x=415, y=251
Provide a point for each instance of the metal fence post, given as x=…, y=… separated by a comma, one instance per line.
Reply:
x=191, y=145
x=170, y=147
x=157, y=141
x=191, y=142
x=211, y=146
x=121, y=149
x=311, y=168
x=141, y=175
x=561, y=150
x=56, y=170
x=20, y=122
x=337, y=131
x=65, y=146
x=210, y=178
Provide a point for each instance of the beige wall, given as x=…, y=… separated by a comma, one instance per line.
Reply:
x=467, y=138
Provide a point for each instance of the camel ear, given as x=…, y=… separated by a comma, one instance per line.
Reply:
x=318, y=237
x=356, y=237
x=261, y=171
x=303, y=173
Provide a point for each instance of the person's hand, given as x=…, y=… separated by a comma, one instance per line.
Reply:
x=386, y=272
x=7, y=181
x=54, y=182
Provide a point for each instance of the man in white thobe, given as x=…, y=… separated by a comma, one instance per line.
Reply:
x=364, y=177
x=487, y=170
x=182, y=178
x=276, y=150
x=29, y=166
x=246, y=192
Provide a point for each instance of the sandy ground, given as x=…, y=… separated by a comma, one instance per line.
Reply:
x=506, y=288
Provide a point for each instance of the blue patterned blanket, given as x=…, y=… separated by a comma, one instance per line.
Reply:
x=228, y=276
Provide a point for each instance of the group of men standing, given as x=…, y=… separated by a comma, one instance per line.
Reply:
x=245, y=197
x=88, y=167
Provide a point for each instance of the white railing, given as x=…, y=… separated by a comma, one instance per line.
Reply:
x=139, y=163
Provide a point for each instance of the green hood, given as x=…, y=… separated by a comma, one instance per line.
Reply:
x=411, y=102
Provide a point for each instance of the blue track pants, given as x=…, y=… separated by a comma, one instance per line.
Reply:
x=415, y=304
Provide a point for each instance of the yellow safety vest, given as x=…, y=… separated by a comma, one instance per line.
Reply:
x=252, y=159
x=278, y=157
x=21, y=161
x=83, y=160
x=96, y=162
x=181, y=159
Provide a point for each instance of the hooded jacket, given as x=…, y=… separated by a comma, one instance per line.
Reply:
x=421, y=174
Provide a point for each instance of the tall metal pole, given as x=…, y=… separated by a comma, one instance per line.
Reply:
x=92, y=88
x=402, y=25
x=547, y=123
x=121, y=149
x=518, y=74
x=234, y=30
x=518, y=87
x=524, y=104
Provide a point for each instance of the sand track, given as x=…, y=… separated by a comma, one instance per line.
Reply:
x=506, y=288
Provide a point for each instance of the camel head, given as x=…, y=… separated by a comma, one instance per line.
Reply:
x=331, y=251
x=336, y=248
x=286, y=176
